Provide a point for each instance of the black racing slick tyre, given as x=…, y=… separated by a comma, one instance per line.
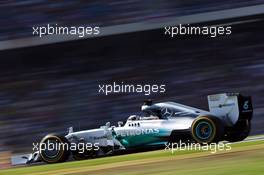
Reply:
x=207, y=129
x=54, y=149
x=239, y=131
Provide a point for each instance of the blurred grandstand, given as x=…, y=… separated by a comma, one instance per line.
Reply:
x=49, y=88
x=18, y=17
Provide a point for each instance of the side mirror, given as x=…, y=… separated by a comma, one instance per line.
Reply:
x=108, y=124
x=70, y=130
x=120, y=123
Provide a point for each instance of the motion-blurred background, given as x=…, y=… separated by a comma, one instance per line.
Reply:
x=48, y=88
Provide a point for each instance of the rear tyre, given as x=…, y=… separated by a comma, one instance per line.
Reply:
x=207, y=129
x=54, y=149
x=239, y=131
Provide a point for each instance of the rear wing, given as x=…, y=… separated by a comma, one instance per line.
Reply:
x=231, y=107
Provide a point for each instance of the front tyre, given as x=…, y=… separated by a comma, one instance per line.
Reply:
x=207, y=129
x=54, y=149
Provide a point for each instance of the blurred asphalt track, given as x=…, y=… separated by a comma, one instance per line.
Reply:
x=48, y=88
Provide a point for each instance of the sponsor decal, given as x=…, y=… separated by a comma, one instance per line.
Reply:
x=126, y=133
x=227, y=104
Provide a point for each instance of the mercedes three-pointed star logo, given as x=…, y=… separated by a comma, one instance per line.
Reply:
x=166, y=112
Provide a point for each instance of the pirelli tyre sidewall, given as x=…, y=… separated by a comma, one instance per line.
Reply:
x=59, y=154
x=207, y=129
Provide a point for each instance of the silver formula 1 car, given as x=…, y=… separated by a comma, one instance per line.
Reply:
x=228, y=119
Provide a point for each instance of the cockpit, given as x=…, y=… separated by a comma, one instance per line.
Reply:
x=146, y=115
